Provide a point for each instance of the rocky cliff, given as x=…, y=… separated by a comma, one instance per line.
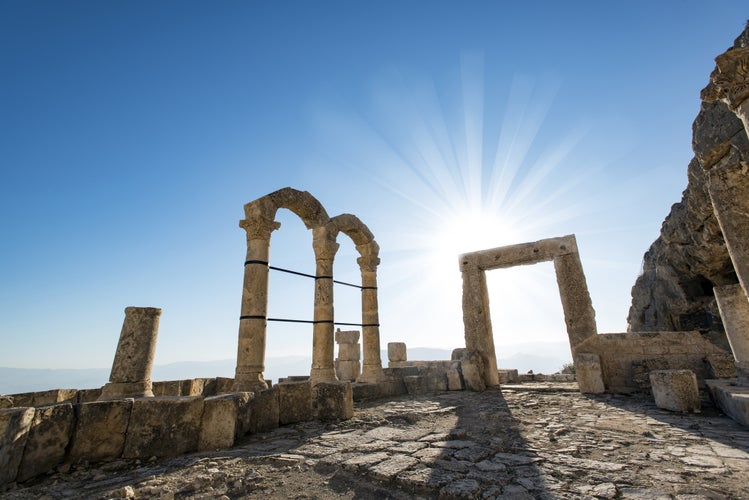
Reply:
x=680, y=269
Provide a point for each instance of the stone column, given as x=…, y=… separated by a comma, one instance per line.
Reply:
x=253, y=317
x=323, y=356
x=368, y=262
x=131, y=369
x=728, y=178
x=579, y=315
x=477, y=319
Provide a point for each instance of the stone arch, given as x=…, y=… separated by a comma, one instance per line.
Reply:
x=368, y=261
x=259, y=223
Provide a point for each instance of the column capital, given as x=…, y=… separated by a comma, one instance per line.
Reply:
x=729, y=81
x=259, y=228
x=324, y=243
x=369, y=259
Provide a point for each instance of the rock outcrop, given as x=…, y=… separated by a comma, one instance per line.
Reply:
x=680, y=269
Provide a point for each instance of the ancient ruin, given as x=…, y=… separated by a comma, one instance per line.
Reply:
x=450, y=428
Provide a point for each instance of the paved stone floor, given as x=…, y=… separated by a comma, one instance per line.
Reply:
x=550, y=442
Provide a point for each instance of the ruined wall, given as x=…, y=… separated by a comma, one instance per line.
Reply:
x=680, y=269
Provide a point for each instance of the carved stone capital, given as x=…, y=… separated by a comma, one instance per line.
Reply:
x=324, y=243
x=729, y=81
x=259, y=228
x=369, y=259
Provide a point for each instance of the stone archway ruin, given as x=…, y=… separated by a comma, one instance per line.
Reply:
x=579, y=315
x=259, y=223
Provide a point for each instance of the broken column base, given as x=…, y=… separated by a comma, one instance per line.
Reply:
x=675, y=390
x=122, y=390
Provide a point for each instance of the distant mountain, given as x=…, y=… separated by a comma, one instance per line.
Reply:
x=539, y=357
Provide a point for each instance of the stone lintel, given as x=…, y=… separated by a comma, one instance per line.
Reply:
x=521, y=254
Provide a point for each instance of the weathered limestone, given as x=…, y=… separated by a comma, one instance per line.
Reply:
x=163, y=427
x=323, y=365
x=49, y=435
x=732, y=399
x=734, y=310
x=253, y=320
x=573, y=290
x=472, y=367
x=259, y=224
x=100, y=430
x=368, y=262
x=265, y=412
x=397, y=352
x=294, y=402
x=131, y=369
x=220, y=424
x=589, y=374
x=334, y=400
x=675, y=390
x=14, y=432
x=348, y=364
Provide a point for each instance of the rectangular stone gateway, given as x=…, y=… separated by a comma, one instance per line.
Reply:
x=579, y=315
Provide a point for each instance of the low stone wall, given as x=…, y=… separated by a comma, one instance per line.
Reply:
x=628, y=358
x=35, y=440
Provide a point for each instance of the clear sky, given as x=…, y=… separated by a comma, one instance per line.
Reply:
x=132, y=133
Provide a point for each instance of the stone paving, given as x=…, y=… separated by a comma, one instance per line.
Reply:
x=550, y=442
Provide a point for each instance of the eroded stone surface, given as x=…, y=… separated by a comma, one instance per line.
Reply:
x=526, y=444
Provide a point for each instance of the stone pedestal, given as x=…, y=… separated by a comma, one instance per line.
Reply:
x=397, y=352
x=589, y=374
x=348, y=364
x=131, y=369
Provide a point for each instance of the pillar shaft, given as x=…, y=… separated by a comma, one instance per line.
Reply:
x=323, y=339
x=579, y=315
x=253, y=317
x=477, y=321
x=131, y=368
x=372, y=362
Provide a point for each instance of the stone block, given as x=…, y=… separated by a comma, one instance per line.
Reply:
x=100, y=430
x=347, y=337
x=264, y=412
x=507, y=376
x=334, y=400
x=167, y=388
x=675, y=390
x=218, y=426
x=454, y=380
x=163, y=426
x=347, y=371
x=295, y=402
x=14, y=431
x=224, y=385
x=23, y=400
x=472, y=367
x=720, y=365
x=588, y=373
x=244, y=411
x=349, y=352
x=88, y=395
x=732, y=399
x=209, y=387
x=397, y=352
x=49, y=435
x=6, y=402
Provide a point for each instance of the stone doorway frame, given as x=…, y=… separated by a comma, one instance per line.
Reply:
x=579, y=315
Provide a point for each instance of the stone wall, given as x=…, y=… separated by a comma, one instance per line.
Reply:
x=70, y=426
x=689, y=258
x=627, y=358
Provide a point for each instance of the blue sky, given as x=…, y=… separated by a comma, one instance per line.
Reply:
x=132, y=133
